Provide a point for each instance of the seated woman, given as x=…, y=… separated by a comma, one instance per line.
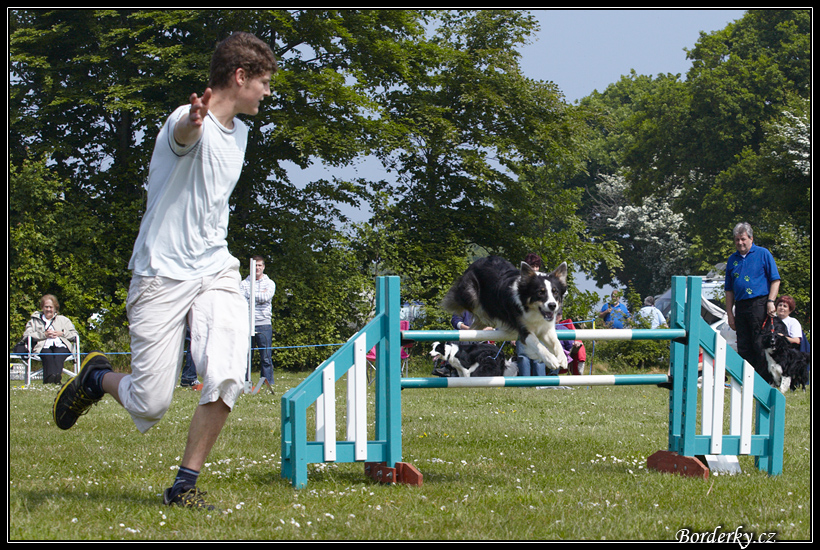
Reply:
x=576, y=361
x=54, y=335
x=784, y=306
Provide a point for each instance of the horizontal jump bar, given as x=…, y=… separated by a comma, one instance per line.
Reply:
x=582, y=334
x=530, y=381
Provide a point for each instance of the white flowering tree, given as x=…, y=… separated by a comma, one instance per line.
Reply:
x=652, y=234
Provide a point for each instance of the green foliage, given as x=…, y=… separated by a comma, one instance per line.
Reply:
x=34, y=213
x=51, y=251
x=628, y=356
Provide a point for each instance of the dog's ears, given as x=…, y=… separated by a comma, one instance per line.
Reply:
x=561, y=272
x=526, y=269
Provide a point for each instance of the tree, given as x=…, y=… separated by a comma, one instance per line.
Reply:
x=480, y=155
x=728, y=144
x=46, y=257
x=89, y=90
x=612, y=208
x=652, y=235
x=742, y=79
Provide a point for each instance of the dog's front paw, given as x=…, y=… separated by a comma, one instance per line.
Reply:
x=555, y=362
x=562, y=360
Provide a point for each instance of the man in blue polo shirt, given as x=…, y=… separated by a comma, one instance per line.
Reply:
x=752, y=283
x=614, y=313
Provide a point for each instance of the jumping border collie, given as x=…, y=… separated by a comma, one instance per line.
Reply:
x=788, y=366
x=474, y=359
x=522, y=301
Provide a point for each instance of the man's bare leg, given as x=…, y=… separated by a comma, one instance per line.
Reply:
x=206, y=425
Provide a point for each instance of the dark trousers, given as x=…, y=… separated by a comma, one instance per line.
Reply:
x=53, y=358
x=188, y=377
x=262, y=343
x=750, y=314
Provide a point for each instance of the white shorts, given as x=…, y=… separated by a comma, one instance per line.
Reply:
x=158, y=311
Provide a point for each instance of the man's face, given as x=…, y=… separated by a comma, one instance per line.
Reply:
x=251, y=92
x=260, y=269
x=743, y=243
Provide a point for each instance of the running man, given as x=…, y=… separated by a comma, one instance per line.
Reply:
x=183, y=273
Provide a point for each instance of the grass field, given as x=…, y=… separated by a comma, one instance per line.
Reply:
x=498, y=464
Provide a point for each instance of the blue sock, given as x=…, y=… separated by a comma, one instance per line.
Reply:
x=185, y=476
x=94, y=383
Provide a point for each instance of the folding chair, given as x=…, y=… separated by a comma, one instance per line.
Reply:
x=20, y=363
x=405, y=356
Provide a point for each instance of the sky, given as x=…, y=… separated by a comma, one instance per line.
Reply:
x=586, y=50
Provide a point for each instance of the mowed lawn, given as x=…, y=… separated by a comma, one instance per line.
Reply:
x=498, y=464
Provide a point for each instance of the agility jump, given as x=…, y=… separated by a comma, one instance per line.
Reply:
x=757, y=411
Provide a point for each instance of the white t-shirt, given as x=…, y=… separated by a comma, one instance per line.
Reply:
x=795, y=330
x=183, y=232
x=653, y=314
x=263, y=293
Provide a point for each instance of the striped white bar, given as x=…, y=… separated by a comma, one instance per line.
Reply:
x=707, y=381
x=485, y=382
x=529, y=381
x=357, y=400
x=251, y=323
x=580, y=334
x=604, y=334
x=747, y=400
x=718, y=395
x=328, y=412
x=485, y=335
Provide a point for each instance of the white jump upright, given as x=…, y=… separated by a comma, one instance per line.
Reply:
x=252, y=326
x=759, y=434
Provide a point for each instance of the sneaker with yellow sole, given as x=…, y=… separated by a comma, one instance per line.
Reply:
x=78, y=395
x=187, y=497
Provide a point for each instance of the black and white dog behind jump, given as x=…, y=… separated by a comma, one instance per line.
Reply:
x=524, y=302
x=474, y=359
x=788, y=366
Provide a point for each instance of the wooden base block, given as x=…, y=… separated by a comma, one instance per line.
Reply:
x=404, y=473
x=673, y=463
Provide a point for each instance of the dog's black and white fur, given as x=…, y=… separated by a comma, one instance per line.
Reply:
x=474, y=359
x=788, y=366
x=523, y=301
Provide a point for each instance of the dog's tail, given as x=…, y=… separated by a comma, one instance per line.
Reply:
x=462, y=296
x=450, y=303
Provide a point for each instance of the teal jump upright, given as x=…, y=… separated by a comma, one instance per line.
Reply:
x=759, y=435
x=767, y=440
x=384, y=334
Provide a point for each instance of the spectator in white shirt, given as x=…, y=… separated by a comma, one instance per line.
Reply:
x=264, y=290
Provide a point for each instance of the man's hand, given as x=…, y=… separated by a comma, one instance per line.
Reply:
x=188, y=129
x=199, y=107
